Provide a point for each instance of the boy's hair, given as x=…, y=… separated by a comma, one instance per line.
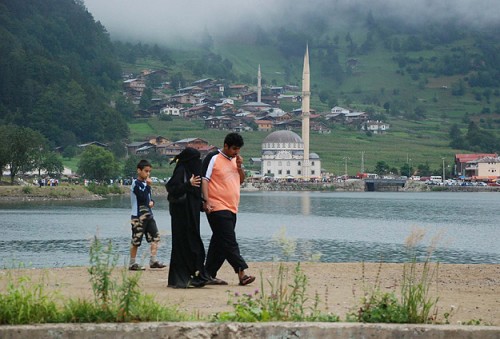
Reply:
x=143, y=163
x=234, y=139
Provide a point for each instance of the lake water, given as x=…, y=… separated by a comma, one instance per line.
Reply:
x=329, y=227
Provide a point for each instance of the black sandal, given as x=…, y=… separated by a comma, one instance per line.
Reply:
x=246, y=279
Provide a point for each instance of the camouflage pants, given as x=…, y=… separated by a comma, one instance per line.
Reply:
x=144, y=225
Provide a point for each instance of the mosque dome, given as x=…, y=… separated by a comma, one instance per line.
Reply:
x=283, y=137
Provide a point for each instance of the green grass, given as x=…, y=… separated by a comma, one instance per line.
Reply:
x=419, y=141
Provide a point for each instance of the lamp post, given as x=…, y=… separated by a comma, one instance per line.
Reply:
x=444, y=173
x=345, y=166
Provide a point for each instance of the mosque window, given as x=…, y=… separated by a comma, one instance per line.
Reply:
x=288, y=163
x=299, y=163
x=312, y=171
x=279, y=171
x=299, y=172
x=268, y=171
x=312, y=163
x=287, y=171
x=279, y=163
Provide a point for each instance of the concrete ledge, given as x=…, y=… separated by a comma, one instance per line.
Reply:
x=247, y=330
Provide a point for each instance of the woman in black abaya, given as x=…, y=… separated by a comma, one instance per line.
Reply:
x=184, y=194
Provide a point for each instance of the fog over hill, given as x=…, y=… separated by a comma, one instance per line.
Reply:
x=171, y=21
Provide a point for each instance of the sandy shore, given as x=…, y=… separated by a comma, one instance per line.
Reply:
x=470, y=292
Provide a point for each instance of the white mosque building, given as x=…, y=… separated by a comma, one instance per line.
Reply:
x=284, y=153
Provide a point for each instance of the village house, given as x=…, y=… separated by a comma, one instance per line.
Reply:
x=191, y=142
x=222, y=123
x=462, y=161
x=291, y=124
x=483, y=168
x=158, y=140
x=238, y=89
x=264, y=125
x=134, y=146
x=134, y=87
x=247, y=96
x=170, y=110
x=376, y=127
x=93, y=143
x=183, y=98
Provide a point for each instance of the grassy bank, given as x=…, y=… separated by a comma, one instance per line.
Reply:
x=46, y=192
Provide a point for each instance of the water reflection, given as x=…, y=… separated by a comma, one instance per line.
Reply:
x=61, y=253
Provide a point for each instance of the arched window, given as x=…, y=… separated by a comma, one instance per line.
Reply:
x=288, y=163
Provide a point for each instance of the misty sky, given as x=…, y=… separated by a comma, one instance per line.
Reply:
x=165, y=21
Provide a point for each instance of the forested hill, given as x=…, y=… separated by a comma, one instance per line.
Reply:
x=58, y=72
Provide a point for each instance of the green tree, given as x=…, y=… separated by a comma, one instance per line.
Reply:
x=4, y=151
x=457, y=140
x=406, y=169
x=51, y=163
x=24, y=146
x=146, y=97
x=381, y=168
x=97, y=163
x=130, y=167
x=424, y=170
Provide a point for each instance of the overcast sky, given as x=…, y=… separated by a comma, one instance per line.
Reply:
x=164, y=21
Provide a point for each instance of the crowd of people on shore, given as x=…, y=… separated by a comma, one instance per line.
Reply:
x=212, y=187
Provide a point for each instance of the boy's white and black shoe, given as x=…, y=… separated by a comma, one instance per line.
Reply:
x=157, y=264
x=136, y=267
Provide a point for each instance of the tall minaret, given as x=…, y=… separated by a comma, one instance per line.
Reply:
x=306, y=95
x=259, y=85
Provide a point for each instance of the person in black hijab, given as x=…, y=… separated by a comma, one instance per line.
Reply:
x=184, y=194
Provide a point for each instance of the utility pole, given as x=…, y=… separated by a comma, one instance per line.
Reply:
x=345, y=167
x=362, y=162
x=444, y=173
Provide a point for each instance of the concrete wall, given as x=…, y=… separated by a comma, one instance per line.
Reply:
x=247, y=330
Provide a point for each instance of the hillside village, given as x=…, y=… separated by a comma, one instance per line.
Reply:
x=242, y=110
x=236, y=107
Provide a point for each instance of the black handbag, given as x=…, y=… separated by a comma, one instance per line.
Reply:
x=176, y=200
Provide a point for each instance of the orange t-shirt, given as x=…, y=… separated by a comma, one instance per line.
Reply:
x=223, y=178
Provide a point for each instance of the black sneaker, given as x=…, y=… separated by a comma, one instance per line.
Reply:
x=215, y=281
x=157, y=264
x=136, y=267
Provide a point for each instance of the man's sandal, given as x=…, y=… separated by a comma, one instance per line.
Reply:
x=246, y=279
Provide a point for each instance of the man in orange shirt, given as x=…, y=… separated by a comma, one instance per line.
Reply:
x=223, y=173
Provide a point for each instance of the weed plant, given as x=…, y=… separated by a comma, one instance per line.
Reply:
x=415, y=305
x=27, y=303
x=285, y=302
x=113, y=301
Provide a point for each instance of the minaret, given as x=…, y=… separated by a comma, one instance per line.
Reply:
x=259, y=85
x=306, y=95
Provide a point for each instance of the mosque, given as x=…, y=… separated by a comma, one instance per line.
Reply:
x=285, y=155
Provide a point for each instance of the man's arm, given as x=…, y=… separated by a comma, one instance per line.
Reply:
x=204, y=193
x=241, y=168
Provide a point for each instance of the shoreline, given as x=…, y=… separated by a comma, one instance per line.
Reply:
x=63, y=192
x=469, y=292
